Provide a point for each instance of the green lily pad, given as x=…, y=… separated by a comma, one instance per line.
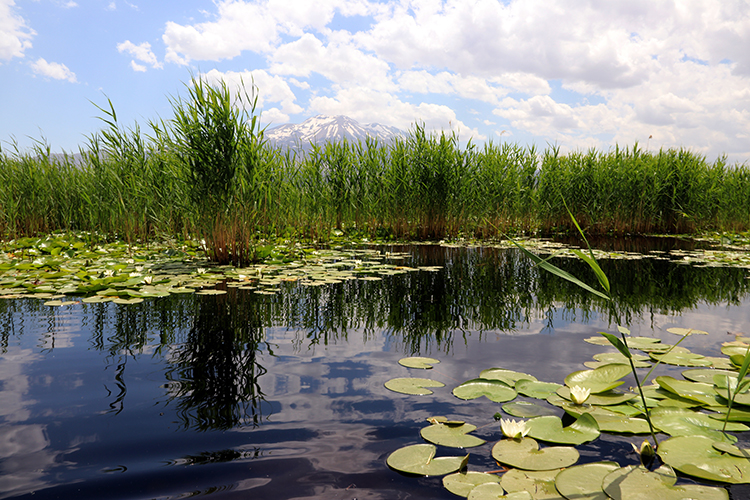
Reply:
x=599, y=380
x=536, y=389
x=742, y=398
x=605, y=358
x=550, y=429
x=732, y=350
x=609, y=421
x=706, y=375
x=633, y=342
x=608, y=398
x=492, y=491
x=696, y=391
x=584, y=482
x=524, y=409
x=418, y=362
x=680, y=422
x=494, y=390
x=736, y=415
x=686, y=331
x=525, y=454
x=681, y=359
x=638, y=482
x=696, y=456
x=508, y=376
x=539, y=484
x=420, y=459
x=414, y=386
x=461, y=483
x=456, y=436
x=732, y=450
x=134, y=300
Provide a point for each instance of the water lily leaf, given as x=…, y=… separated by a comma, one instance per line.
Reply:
x=696, y=391
x=96, y=299
x=451, y=435
x=609, y=421
x=418, y=362
x=508, y=376
x=414, y=386
x=211, y=292
x=492, y=491
x=461, y=483
x=539, y=484
x=536, y=389
x=134, y=300
x=681, y=358
x=599, y=380
x=524, y=409
x=54, y=303
x=550, y=429
x=732, y=450
x=584, y=482
x=680, y=422
x=732, y=350
x=631, y=483
x=525, y=454
x=696, y=456
x=605, y=358
x=633, y=342
x=686, y=331
x=742, y=398
x=420, y=459
x=494, y=390
x=706, y=375
x=736, y=415
x=608, y=398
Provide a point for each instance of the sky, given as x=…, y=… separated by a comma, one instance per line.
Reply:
x=573, y=73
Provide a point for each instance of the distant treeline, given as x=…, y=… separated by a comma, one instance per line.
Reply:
x=208, y=172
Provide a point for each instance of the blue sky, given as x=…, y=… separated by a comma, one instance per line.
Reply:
x=574, y=73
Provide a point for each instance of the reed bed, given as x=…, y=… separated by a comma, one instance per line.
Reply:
x=209, y=173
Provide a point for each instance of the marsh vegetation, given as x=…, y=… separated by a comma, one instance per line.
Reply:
x=207, y=172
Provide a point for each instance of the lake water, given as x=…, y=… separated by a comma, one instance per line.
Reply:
x=282, y=397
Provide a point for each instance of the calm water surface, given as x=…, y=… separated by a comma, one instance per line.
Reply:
x=282, y=397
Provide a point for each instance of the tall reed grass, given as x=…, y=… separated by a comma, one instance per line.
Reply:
x=208, y=172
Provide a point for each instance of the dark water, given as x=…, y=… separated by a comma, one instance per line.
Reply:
x=282, y=397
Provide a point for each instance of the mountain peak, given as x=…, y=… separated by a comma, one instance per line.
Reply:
x=323, y=128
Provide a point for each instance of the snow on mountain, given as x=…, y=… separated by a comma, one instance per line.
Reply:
x=320, y=129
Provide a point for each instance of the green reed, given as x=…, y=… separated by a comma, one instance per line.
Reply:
x=208, y=172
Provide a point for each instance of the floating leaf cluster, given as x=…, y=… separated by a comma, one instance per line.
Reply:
x=539, y=458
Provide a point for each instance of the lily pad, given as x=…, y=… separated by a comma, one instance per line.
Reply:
x=599, y=380
x=420, y=459
x=686, y=331
x=584, y=482
x=536, y=389
x=706, y=375
x=608, y=398
x=461, y=483
x=605, y=358
x=414, y=386
x=494, y=390
x=508, y=376
x=539, y=484
x=633, y=342
x=680, y=422
x=638, y=482
x=418, y=362
x=525, y=454
x=456, y=436
x=681, y=358
x=550, y=429
x=524, y=409
x=696, y=456
x=609, y=421
x=696, y=391
x=491, y=491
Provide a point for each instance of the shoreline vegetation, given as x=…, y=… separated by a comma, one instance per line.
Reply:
x=208, y=173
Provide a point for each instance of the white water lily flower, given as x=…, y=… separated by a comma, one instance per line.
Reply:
x=579, y=394
x=515, y=429
x=201, y=270
x=108, y=273
x=148, y=279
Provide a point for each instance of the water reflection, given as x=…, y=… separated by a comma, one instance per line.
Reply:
x=283, y=395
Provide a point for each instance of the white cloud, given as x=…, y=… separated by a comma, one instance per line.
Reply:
x=15, y=35
x=137, y=67
x=271, y=88
x=141, y=52
x=53, y=70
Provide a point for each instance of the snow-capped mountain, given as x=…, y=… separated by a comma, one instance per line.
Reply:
x=320, y=129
